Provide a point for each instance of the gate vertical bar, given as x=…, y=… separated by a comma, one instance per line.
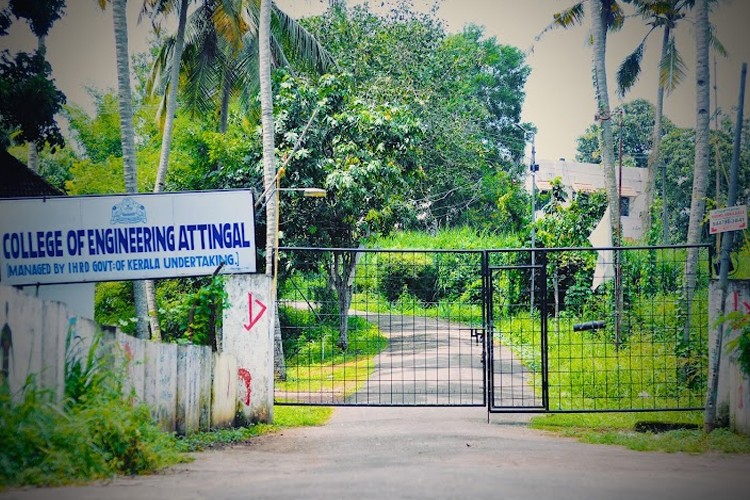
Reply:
x=488, y=327
x=543, y=324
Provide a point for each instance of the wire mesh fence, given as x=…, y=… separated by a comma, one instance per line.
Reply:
x=516, y=330
x=410, y=328
x=608, y=330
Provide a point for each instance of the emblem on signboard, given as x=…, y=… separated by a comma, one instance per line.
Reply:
x=128, y=211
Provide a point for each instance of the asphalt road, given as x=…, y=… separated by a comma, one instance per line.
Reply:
x=436, y=453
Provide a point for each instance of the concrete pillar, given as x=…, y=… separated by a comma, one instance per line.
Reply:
x=734, y=385
x=248, y=336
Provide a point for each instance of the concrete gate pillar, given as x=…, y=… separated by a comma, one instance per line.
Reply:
x=248, y=336
x=734, y=385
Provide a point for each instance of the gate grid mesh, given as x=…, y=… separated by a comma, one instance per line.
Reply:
x=511, y=329
x=580, y=349
x=411, y=337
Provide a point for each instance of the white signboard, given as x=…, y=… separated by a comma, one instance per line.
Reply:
x=109, y=238
x=728, y=219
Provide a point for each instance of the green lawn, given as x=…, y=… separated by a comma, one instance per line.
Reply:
x=620, y=429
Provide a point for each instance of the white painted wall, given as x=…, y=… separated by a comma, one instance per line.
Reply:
x=188, y=388
x=734, y=386
x=248, y=335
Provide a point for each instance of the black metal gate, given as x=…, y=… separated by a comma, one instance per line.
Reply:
x=512, y=330
x=414, y=338
x=517, y=326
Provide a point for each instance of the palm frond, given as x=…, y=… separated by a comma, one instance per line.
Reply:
x=246, y=67
x=615, y=16
x=629, y=71
x=229, y=23
x=671, y=68
x=200, y=73
x=565, y=19
x=569, y=17
x=293, y=36
x=716, y=43
x=278, y=57
x=160, y=66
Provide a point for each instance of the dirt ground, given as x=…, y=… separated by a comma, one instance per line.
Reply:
x=404, y=453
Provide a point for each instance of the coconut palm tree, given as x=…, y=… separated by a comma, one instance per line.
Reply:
x=222, y=56
x=220, y=59
x=125, y=106
x=605, y=16
x=160, y=8
x=700, y=169
x=659, y=14
x=664, y=14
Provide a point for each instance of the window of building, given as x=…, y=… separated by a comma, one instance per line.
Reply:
x=624, y=206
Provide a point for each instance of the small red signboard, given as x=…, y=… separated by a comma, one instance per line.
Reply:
x=728, y=219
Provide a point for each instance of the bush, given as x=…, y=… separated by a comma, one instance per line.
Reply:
x=411, y=273
x=93, y=433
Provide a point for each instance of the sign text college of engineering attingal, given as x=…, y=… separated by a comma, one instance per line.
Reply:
x=108, y=238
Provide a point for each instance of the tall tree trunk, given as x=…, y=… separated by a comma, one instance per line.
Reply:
x=269, y=164
x=341, y=273
x=119, y=15
x=700, y=172
x=166, y=145
x=33, y=154
x=654, y=157
x=606, y=137
x=266, y=105
x=174, y=78
x=33, y=157
x=599, y=14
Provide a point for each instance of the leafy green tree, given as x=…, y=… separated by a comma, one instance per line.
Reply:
x=363, y=152
x=41, y=15
x=569, y=225
x=29, y=100
x=466, y=89
x=634, y=122
x=679, y=156
x=99, y=170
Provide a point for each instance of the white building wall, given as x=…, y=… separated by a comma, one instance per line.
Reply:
x=575, y=176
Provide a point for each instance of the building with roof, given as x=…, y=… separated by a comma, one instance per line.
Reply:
x=588, y=177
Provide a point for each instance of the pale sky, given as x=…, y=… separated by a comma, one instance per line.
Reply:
x=559, y=93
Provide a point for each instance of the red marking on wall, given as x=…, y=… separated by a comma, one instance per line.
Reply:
x=743, y=303
x=247, y=382
x=128, y=351
x=254, y=318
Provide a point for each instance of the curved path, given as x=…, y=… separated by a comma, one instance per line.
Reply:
x=428, y=362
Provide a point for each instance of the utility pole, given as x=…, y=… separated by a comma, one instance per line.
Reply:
x=533, y=167
x=727, y=239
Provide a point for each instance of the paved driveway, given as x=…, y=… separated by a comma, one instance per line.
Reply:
x=399, y=453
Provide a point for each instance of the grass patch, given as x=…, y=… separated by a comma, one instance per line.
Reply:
x=316, y=364
x=284, y=417
x=619, y=429
x=742, y=264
